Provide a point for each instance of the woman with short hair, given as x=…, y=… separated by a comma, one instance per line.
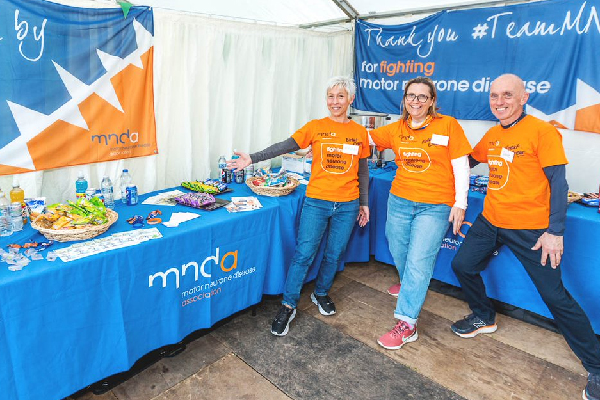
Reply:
x=336, y=196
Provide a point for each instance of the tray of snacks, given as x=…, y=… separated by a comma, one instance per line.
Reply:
x=268, y=184
x=212, y=186
x=204, y=201
x=80, y=220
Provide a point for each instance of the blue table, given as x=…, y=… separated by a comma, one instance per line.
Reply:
x=64, y=326
x=505, y=278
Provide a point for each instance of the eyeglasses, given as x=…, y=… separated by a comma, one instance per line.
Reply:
x=422, y=98
x=505, y=96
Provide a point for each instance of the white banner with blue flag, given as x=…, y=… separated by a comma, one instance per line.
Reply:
x=76, y=85
x=553, y=45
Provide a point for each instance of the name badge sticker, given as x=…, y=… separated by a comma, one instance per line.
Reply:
x=440, y=139
x=507, y=155
x=350, y=149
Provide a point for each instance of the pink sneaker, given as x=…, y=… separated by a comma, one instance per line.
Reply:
x=394, y=290
x=399, y=336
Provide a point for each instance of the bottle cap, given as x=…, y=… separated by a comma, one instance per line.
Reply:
x=80, y=174
x=125, y=170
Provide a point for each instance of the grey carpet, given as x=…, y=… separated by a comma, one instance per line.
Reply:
x=321, y=362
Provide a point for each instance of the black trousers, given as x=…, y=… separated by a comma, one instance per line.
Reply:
x=473, y=256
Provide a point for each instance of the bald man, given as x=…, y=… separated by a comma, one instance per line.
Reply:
x=525, y=209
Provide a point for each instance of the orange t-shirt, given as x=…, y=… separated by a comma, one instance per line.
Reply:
x=336, y=149
x=423, y=157
x=518, y=195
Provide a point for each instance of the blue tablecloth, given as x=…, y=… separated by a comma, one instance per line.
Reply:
x=505, y=278
x=64, y=326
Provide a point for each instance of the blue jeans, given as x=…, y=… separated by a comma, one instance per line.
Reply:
x=414, y=232
x=316, y=216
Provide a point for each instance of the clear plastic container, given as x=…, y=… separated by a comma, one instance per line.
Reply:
x=16, y=216
x=5, y=219
x=249, y=170
x=3, y=200
x=5, y=222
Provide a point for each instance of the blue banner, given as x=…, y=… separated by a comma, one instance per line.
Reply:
x=553, y=45
x=76, y=85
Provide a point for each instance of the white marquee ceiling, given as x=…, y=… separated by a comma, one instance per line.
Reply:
x=307, y=13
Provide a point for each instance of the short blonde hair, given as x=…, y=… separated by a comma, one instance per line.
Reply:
x=344, y=82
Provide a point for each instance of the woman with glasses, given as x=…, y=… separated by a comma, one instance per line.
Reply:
x=429, y=192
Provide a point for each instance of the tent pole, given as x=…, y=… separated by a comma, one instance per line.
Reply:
x=346, y=8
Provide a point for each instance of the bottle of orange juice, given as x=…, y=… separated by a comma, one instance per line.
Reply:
x=17, y=195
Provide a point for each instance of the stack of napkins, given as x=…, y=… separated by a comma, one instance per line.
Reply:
x=179, y=217
x=164, y=199
x=239, y=204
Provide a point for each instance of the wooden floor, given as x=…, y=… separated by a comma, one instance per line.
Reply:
x=519, y=361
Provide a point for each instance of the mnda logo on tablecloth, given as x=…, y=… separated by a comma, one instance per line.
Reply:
x=452, y=242
x=228, y=263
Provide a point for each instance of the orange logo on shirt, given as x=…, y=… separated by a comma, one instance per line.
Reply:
x=333, y=158
x=499, y=171
x=414, y=159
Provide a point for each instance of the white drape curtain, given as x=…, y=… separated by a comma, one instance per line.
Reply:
x=219, y=85
x=225, y=85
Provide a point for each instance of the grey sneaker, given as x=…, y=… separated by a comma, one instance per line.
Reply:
x=325, y=304
x=592, y=389
x=281, y=323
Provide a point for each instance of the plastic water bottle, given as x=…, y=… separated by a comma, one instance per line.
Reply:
x=81, y=186
x=124, y=181
x=3, y=200
x=106, y=187
x=222, y=164
x=5, y=219
x=17, y=195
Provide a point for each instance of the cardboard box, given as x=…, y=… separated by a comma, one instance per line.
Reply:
x=296, y=163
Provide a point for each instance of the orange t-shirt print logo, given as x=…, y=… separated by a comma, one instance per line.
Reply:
x=414, y=159
x=499, y=172
x=333, y=158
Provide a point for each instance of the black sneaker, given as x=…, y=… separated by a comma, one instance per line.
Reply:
x=326, y=306
x=472, y=326
x=281, y=323
x=592, y=389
